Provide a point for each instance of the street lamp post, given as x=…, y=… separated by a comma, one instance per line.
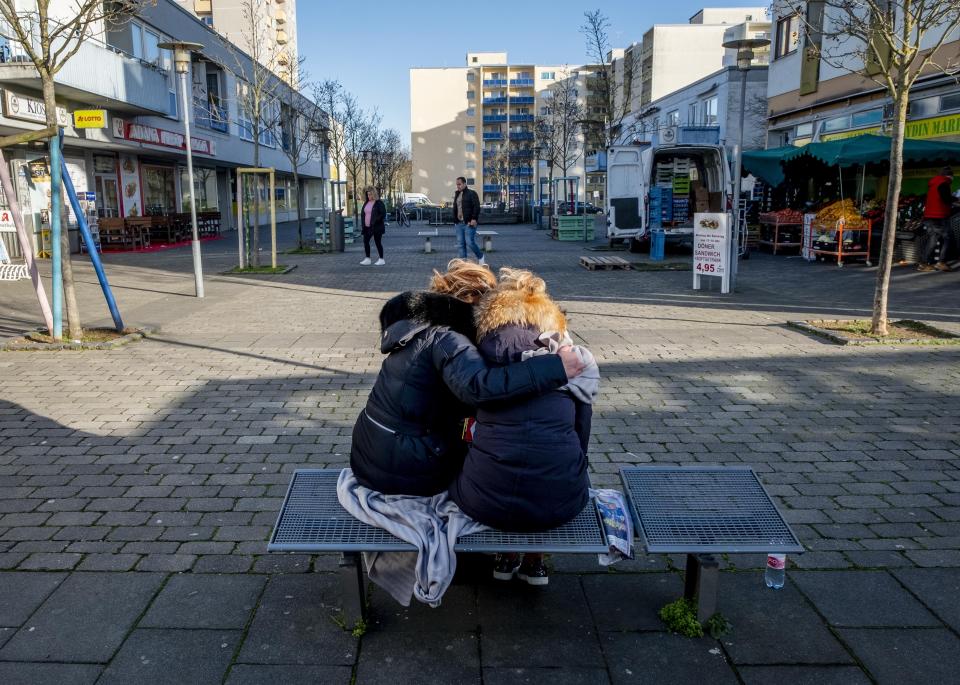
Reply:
x=744, y=48
x=181, y=59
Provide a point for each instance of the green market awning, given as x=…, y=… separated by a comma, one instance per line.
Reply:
x=867, y=149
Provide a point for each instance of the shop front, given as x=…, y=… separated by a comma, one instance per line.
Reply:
x=828, y=199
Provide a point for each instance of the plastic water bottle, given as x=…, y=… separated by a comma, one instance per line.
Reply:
x=776, y=570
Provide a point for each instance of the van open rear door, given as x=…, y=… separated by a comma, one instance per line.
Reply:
x=628, y=174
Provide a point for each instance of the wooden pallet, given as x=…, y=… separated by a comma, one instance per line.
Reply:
x=605, y=263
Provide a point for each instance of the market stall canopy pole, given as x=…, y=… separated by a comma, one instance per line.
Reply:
x=867, y=149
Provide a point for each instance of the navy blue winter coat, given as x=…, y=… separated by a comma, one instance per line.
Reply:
x=526, y=469
x=407, y=440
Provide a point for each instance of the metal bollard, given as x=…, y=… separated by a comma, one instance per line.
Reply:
x=488, y=243
x=427, y=247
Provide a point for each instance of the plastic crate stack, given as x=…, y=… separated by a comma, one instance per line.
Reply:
x=661, y=206
x=681, y=208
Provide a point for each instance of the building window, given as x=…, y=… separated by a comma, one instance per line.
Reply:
x=692, y=115
x=950, y=102
x=471, y=164
x=548, y=75
x=788, y=36
x=470, y=130
x=159, y=194
x=471, y=112
x=545, y=111
x=471, y=181
x=473, y=59
x=804, y=130
x=872, y=117
x=836, y=124
x=471, y=147
x=471, y=95
x=673, y=118
x=244, y=122
x=471, y=76
x=205, y=182
x=710, y=117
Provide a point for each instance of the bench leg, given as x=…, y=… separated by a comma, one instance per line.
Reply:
x=701, y=579
x=355, y=598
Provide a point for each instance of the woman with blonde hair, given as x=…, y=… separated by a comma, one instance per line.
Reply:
x=374, y=214
x=526, y=468
x=407, y=440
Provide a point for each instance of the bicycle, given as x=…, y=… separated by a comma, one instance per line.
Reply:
x=402, y=218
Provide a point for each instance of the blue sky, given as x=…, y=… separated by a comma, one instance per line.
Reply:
x=371, y=46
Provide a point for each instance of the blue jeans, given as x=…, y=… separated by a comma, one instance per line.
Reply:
x=467, y=235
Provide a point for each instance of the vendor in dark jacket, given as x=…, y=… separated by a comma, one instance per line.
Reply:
x=526, y=469
x=408, y=439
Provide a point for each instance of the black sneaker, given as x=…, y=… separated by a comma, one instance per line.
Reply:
x=534, y=572
x=505, y=566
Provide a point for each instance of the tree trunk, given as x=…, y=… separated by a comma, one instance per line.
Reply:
x=881, y=292
x=74, y=328
x=296, y=184
x=255, y=224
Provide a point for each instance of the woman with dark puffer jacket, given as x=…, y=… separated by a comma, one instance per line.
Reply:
x=526, y=469
x=408, y=439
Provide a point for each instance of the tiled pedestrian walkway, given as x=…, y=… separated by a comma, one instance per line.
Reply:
x=138, y=487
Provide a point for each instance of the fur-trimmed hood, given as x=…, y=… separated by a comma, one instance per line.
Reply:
x=527, y=308
x=407, y=314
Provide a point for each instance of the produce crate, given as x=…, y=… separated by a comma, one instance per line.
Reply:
x=571, y=234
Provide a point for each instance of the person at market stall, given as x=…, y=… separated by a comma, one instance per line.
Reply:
x=936, y=219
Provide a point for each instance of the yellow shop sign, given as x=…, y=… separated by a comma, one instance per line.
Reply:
x=936, y=127
x=90, y=118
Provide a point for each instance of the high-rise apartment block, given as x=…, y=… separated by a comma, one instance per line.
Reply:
x=463, y=118
x=271, y=23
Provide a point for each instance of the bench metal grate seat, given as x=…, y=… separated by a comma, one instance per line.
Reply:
x=700, y=511
x=705, y=510
x=312, y=520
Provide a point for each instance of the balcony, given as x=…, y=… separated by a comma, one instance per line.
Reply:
x=492, y=135
x=522, y=153
x=98, y=76
x=282, y=37
x=495, y=101
x=494, y=82
x=211, y=116
x=203, y=6
x=521, y=82
x=521, y=187
x=522, y=171
x=491, y=188
x=494, y=118
x=522, y=100
x=522, y=135
x=521, y=117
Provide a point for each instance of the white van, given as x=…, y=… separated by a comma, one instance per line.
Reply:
x=634, y=170
x=416, y=198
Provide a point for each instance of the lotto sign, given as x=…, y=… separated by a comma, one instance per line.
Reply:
x=711, y=248
x=90, y=118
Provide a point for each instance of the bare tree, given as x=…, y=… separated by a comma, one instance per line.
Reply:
x=893, y=43
x=390, y=155
x=301, y=125
x=49, y=41
x=595, y=29
x=556, y=131
x=328, y=95
x=497, y=167
x=359, y=135
x=258, y=89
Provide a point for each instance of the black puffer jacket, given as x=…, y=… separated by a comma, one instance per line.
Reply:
x=526, y=469
x=408, y=438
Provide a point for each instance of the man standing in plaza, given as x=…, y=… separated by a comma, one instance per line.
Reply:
x=936, y=219
x=466, y=213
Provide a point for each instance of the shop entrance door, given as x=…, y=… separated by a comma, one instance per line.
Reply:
x=108, y=196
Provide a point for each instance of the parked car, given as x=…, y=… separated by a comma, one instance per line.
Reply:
x=568, y=208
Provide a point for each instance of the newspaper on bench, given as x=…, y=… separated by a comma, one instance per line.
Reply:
x=617, y=525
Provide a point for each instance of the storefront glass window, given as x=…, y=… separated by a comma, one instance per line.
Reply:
x=950, y=102
x=205, y=181
x=314, y=194
x=868, y=118
x=159, y=192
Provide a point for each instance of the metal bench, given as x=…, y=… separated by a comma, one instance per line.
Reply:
x=426, y=235
x=701, y=511
x=487, y=239
x=312, y=520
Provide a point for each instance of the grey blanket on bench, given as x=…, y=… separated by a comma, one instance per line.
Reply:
x=431, y=524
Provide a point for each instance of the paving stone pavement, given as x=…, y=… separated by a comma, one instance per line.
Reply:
x=138, y=486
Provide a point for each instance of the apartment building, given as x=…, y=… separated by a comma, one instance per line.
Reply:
x=675, y=55
x=820, y=100
x=271, y=22
x=464, y=117
x=137, y=164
